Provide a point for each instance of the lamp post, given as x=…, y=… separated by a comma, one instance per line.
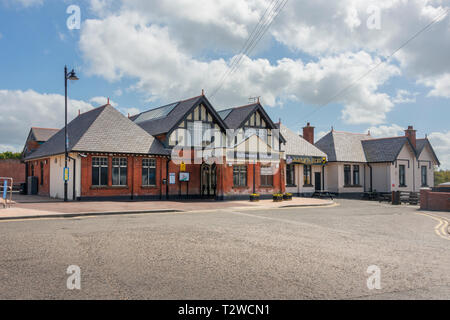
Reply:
x=67, y=76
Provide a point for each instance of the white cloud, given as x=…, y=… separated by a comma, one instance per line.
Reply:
x=404, y=96
x=317, y=27
x=165, y=71
x=441, y=145
x=440, y=85
x=383, y=131
x=24, y=3
x=100, y=101
x=32, y=109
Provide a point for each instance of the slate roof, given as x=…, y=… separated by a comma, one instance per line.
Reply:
x=234, y=117
x=420, y=145
x=355, y=147
x=43, y=134
x=343, y=146
x=103, y=129
x=163, y=119
x=384, y=149
x=296, y=145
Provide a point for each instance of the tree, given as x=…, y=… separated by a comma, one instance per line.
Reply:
x=441, y=176
x=10, y=155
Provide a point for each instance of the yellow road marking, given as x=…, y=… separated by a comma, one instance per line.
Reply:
x=442, y=228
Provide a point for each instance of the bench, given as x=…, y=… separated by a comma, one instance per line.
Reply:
x=322, y=194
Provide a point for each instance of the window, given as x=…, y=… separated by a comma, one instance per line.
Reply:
x=240, y=176
x=424, y=175
x=347, y=175
x=401, y=171
x=42, y=174
x=148, y=172
x=307, y=175
x=99, y=171
x=266, y=176
x=356, y=175
x=290, y=175
x=119, y=171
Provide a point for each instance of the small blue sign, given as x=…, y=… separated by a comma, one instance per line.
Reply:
x=5, y=189
x=66, y=174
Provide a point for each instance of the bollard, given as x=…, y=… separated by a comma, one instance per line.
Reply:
x=396, y=198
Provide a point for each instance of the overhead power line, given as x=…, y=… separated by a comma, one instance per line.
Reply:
x=351, y=85
x=266, y=20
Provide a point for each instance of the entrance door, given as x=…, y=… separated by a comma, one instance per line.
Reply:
x=208, y=180
x=317, y=181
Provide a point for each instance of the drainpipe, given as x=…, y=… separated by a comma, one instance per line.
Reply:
x=371, y=189
x=74, y=176
x=364, y=186
x=254, y=165
x=167, y=179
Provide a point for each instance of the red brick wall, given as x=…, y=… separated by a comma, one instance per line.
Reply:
x=12, y=168
x=438, y=201
x=43, y=182
x=278, y=181
x=192, y=188
x=134, y=179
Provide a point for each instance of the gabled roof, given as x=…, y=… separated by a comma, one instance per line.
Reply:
x=103, y=129
x=235, y=117
x=163, y=119
x=421, y=144
x=296, y=145
x=43, y=134
x=384, y=149
x=343, y=146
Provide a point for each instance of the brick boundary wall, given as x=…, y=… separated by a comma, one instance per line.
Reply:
x=13, y=168
x=436, y=201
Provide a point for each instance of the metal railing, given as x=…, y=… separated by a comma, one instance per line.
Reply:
x=6, y=185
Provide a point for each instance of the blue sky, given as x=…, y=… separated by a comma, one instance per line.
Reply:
x=145, y=53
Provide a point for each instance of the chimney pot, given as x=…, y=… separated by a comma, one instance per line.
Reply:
x=410, y=133
x=308, y=133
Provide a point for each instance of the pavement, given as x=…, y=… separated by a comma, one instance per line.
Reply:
x=228, y=253
x=26, y=207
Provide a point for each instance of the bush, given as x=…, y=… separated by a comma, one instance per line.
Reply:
x=10, y=155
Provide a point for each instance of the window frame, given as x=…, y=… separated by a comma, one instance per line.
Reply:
x=347, y=178
x=267, y=181
x=241, y=173
x=147, y=168
x=42, y=173
x=290, y=175
x=401, y=175
x=120, y=166
x=356, y=174
x=100, y=165
x=307, y=174
x=423, y=175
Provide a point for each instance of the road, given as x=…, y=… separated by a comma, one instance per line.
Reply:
x=295, y=253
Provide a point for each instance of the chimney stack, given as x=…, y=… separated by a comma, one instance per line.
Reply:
x=308, y=133
x=410, y=133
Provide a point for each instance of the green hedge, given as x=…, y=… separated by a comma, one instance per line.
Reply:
x=10, y=155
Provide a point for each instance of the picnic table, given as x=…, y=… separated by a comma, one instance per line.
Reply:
x=370, y=195
x=322, y=194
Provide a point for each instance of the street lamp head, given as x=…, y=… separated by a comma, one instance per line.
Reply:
x=72, y=76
